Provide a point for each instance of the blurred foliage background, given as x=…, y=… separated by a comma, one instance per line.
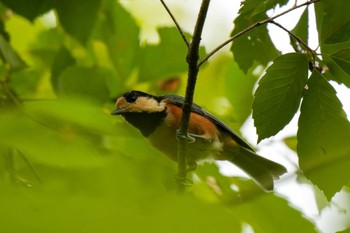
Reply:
x=66, y=165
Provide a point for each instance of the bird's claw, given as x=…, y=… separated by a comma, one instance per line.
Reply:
x=187, y=137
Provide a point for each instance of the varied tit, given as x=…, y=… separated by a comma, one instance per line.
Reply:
x=158, y=118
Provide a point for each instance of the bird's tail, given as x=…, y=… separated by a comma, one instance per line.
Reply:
x=261, y=170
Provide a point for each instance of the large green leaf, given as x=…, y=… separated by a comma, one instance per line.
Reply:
x=165, y=59
x=279, y=93
x=119, y=31
x=29, y=9
x=323, y=137
x=78, y=18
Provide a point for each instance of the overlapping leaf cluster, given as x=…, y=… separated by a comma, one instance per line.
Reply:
x=323, y=126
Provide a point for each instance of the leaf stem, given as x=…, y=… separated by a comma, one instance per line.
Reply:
x=253, y=26
x=192, y=60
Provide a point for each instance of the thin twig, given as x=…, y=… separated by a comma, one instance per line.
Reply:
x=251, y=28
x=192, y=60
x=176, y=23
x=294, y=36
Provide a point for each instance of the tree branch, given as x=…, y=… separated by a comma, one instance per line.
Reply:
x=192, y=60
x=253, y=27
x=176, y=23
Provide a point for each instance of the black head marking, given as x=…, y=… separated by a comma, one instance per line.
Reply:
x=131, y=96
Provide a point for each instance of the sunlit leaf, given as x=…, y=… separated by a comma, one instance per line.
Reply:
x=279, y=93
x=323, y=135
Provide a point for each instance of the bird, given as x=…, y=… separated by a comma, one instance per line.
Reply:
x=158, y=119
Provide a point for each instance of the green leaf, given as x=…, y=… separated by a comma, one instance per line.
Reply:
x=301, y=30
x=333, y=21
x=279, y=93
x=85, y=82
x=119, y=31
x=342, y=59
x=10, y=56
x=78, y=18
x=29, y=9
x=255, y=45
x=323, y=137
x=157, y=61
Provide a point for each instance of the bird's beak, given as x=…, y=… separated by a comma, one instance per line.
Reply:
x=118, y=111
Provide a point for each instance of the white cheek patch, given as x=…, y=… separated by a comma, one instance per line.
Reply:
x=144, y=104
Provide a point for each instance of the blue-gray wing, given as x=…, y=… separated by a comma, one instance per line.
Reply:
x=178, y=101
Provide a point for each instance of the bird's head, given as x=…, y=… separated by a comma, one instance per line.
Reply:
x=138, y=102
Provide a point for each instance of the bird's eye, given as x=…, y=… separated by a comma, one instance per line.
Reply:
x=131, y=97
